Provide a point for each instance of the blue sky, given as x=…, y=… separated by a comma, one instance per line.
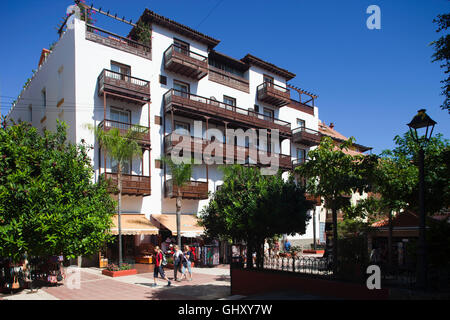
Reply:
x=370, y=82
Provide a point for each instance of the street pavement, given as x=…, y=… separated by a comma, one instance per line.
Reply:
x=207, y=284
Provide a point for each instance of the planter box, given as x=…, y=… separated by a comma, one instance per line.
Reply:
x=119, y=273
x=314, y=251
x=148, y=260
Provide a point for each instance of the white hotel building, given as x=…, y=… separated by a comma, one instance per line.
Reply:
x=97, y=77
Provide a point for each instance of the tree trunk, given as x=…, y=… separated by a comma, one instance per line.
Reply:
x=390, y=240
x=119, y=186
x=249, y=255
x=335, y=242
x=178, y=204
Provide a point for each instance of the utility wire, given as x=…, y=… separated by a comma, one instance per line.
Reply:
x=210, y=12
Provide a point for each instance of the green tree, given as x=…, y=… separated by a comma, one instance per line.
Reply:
x=252, y=207
x=181, y=174
x=121, y=148
x=48, y=202
x=442, y=54
x=334, y=175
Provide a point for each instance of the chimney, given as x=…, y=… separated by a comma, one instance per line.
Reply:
x=331, y=125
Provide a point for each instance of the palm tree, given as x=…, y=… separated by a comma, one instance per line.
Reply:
x=121, y=148
x=181, y=174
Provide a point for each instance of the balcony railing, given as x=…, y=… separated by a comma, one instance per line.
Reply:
x=131, y=184
x=124, y=86
x=192, y=190
x=118, y=42
x=240, y=153
x=317, y=200
x=228, y=79
x=273, y=94
x=306, y=136
x=298, y=162
x=142, y=132
x=175, y=99
x=185, y=62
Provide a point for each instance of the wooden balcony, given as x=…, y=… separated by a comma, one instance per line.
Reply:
x=298, y=162
x=240, y=154
x=228, y=79
x=185, y=62
x=115, y=41
x=133, y=185
x=195, y=190
x=142, y=133
x=273, y=94
x=196, y=107
x=123, y=86
x=305, y=136
x=317, y=200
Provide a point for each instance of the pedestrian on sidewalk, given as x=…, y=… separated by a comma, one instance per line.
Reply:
x=186, y=263
x=159, y=266
x=177, y=259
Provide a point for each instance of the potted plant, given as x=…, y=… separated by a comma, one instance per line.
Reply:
x=169, y=264
x=113, y=270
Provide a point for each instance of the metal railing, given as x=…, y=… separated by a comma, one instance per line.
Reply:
x=265, y=85
x=113, y=40
x=211, y=102
x=306, y=130
x=104, y=124
x=183, y=51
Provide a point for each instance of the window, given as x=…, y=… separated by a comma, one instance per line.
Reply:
x=225, y=67
x=301, y=155
x=182, y=126
x=162, y=79
x=229, y=100
x=300, y=123
x=126, y=166
x=181, y=88
x=44, y=98
x=120, y=117
x=268, y=79
x=30, y=113
x=268, y=114
x=181, y=46
x=121, y=70
x=256, y=108
x=60, y=83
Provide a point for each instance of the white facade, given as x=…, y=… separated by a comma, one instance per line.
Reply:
x=69, y=78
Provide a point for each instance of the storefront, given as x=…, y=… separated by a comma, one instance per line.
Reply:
x=139, y=237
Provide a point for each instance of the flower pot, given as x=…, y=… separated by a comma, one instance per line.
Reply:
x=169, y=266
x=119, y=273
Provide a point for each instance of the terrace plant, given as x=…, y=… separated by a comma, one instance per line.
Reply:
x=121, y=148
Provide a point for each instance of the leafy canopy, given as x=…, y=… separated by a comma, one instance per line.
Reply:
x=252, y=207
x=48, y=202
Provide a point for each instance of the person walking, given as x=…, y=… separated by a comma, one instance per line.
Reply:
x=186, y=263
x=177, y=259
x=287, y=246
x=159, y=267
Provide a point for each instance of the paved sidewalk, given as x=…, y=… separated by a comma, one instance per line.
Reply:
x=207, y=284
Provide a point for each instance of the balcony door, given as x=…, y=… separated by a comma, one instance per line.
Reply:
x=301, y=155
x=268, y=80
x=121, y=71
x=120, y=119
x=181, y=89
x=300, y=123
x=181, y=46
x=268, y=114
x=126, y=166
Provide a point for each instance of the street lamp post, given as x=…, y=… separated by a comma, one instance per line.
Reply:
x=421, y=121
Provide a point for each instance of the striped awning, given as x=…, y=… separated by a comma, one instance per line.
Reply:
x=133, y=224
x=188, y=224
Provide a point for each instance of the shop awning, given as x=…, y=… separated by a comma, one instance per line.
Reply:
x=132, y=224
x=188, y=224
